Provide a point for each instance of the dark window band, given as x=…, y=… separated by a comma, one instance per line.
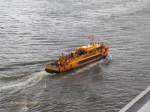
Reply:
x=89, y=59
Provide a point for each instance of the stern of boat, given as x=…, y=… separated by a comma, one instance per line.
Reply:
x=52, y=69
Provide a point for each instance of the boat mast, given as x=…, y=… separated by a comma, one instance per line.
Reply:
x=92, y=39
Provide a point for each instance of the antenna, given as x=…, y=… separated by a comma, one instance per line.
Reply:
x=92, y=38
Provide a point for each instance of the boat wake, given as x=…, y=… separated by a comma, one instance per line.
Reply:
x=25, y=82
x=5, y=78
x=107, y=60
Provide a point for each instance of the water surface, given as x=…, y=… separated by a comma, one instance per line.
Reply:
x=33, y=32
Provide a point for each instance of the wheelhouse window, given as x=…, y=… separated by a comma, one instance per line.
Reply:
x=80, y=52
x=92, y=51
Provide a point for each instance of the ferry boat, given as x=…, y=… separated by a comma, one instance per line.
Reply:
x=79, y=57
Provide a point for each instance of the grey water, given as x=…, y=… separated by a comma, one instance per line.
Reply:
x=34, y=32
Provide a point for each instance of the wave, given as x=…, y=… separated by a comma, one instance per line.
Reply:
x=28, y=63
x=10, y=78
x=118, y=7
x=26, y=82
x=18, y=64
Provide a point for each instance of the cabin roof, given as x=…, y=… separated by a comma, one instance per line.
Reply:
x=89, y=47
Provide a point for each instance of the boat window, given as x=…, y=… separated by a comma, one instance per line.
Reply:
x=89, y=59
x=93, y=51
x=54, y=63
x=79, y=53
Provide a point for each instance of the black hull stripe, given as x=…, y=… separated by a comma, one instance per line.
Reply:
x=51, y=71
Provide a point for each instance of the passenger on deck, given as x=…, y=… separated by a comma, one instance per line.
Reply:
x=79, y=53
x=72, y=55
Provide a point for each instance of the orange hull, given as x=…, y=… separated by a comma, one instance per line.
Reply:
x=81, y=56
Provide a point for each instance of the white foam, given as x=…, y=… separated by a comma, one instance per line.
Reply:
x=27, y=82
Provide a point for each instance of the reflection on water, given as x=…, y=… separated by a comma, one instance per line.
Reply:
x=80, y=71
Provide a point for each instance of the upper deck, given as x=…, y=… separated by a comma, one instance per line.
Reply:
x=90, y=47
